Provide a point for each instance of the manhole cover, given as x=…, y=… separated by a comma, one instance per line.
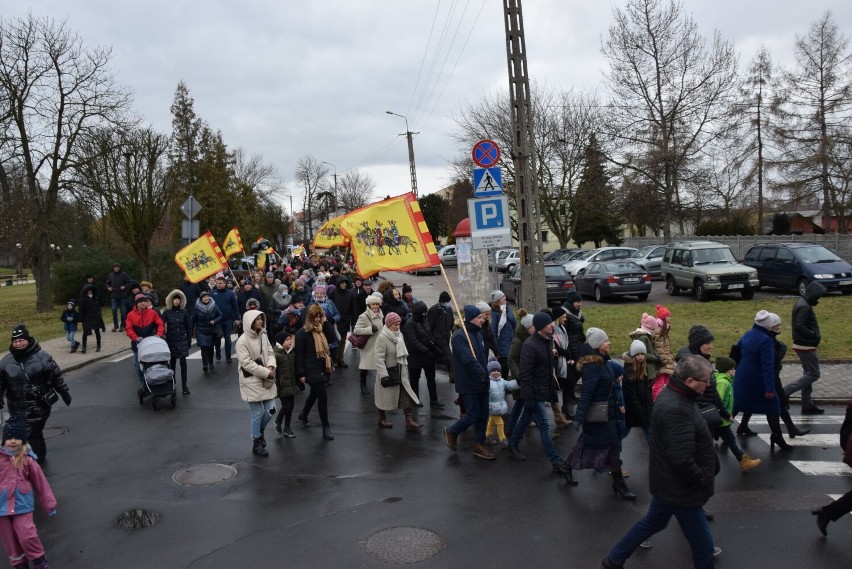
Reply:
x=137, y=519
x=204, y=474
x=53, y=432
x=404, y=545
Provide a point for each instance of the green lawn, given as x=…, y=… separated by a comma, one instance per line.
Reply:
x=728, y=321
x=17, y=304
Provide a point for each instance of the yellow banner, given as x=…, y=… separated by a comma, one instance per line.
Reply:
x=329, y=234
x=390, y=235
x=232, y=243
x=201, y=258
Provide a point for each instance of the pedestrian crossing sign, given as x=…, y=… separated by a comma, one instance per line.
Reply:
x=487, y=182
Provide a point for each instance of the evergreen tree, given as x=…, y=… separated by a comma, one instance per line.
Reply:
x=593, y=201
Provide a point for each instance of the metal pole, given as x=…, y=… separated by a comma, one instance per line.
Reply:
x=412, y=168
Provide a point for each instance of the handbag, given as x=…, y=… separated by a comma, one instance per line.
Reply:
x=358, y=341
x=712, y=416
x=598, y=412
x=393, y=378
x=51, y=397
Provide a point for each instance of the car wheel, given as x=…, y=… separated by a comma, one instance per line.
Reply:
x=598, y=294
x=748, y=294
x=671, y=287
x=509, y=268
x=801, y=286
x=642, y=297
x=701, y=293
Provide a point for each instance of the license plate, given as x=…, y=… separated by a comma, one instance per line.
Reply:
x=630, y=280
x=845, y=283
x=552, y=285
x=735, y=286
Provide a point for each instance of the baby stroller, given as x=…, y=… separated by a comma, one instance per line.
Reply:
x=154, y=359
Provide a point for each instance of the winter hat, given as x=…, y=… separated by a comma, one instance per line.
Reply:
x=444, y=296
x=288, y=270
x=246, y=281
x=471, y=312
x=301, y=281
x=373, y=299
x=637, y=347
x=280, y=337
x=319, y=288
x=596, y=337
x=270, y=275
x=252, y=304
x=617, y=368
x=663, y=312
x=149, y=285
x=541, y=320
x=494, y=365
x=527, y=321
x=572, y=297
x=497, y=295
x=392, y=318
x=766, y=319
x=20, y=332
x=406, y=288
x=483, y=307
x=698, y=336
x=649, y=322
x=558, y=312
x=15, y=428
x=725, y=364
x=71, y=302
x=419, y=307
x=140, y=297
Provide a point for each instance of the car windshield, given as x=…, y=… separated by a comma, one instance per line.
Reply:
x=584, y=255
x=710, y=256
x=502, y=254
x=555, y=271
x=643, y=251
x=622, y=267
x=817, y=254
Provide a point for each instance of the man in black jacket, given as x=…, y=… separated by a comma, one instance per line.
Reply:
x=117, y=286
x=536, y=381
x=439, y=320
x=422, y=353
x=806, y=339
x=682, y=467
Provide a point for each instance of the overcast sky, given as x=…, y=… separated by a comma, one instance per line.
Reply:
x=291, y=78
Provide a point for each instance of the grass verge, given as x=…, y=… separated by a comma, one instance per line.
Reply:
x=17, y=304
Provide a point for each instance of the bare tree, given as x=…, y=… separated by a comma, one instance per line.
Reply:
x=54, y=90
x=815, y=106
x=669, y=93
x=254, y=176
x=311, y=176
x=355, y=190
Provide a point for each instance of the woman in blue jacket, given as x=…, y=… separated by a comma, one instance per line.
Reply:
x=503, y=326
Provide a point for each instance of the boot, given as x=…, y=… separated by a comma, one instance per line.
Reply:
x=569, y=474
x=481, y=451
x=326, y=433
x=383, y=421
x=747, y=463
x=83, y=350
x=558, y=417
x=257, y=448
x=776, y=438
x=364, y=387
x=411, y=423
x=792, y=429
x=98, y=348
x=40, y=563
x=451, y=440
x=619, y=486
x=822, y=520
x=185, y=388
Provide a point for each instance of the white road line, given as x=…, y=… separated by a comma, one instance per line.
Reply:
x=806, y=420
x=120, y=358
x=822, y=467
x=825, y=441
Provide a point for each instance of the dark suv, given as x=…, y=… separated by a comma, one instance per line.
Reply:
x=795, y=265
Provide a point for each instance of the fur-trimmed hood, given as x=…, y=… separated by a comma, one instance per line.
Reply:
x=176, y=293
x=589, y=355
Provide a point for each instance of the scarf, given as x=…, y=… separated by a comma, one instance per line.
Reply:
x=321, y=346
x=401, y=349
x=502, y=321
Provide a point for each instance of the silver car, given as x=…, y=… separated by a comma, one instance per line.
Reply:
x=448, y=256
x=649, y=258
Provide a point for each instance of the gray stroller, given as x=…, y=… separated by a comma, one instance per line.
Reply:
x=154, y=356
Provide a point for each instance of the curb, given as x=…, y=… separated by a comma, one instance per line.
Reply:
x=100, y=357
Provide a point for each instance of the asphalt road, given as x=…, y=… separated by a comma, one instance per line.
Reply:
x=318, y=504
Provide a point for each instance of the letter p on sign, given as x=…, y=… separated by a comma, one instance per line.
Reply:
x=490, y=215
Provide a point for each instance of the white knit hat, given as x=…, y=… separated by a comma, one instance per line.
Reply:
x=766, y=319
x=637, y=347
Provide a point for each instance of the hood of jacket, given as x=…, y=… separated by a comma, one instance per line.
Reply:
x=172, y=295
x=813, y=293
x=248, y=318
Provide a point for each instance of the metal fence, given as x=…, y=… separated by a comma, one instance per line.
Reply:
x=739, y=244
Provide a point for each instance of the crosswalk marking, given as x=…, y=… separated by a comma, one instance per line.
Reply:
x=803, y=421
x=822, y=467
x=824, y=441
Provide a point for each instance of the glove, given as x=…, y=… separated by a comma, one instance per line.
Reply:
x=529, y=406
x=66, y=397
x=375, y=329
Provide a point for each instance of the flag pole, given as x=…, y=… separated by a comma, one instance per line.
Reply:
x=461, y=314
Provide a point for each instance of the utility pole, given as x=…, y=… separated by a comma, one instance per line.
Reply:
x=411, y=166
x=334, y=198
x=523, y=145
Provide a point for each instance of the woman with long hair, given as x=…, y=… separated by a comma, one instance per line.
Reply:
x=314, y=365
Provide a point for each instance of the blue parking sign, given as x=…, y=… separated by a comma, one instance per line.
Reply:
x=489, y=213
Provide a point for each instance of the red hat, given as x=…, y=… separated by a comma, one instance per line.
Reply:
x=663, y=312
x=392, y=318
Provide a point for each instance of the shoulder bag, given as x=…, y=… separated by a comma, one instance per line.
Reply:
x=358, y=341
x=393, y=378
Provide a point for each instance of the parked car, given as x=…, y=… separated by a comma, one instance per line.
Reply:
x=499, y=254
x=706, y=267
x=558, y=283
x=552, y=256
x=613, y=278
x=649, y=258
x=796, y=265
x=509, y=260
x=448, y=256
x=599, y=255
x=433, y=270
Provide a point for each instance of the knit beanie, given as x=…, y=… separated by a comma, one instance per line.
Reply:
x=20, y=332
x=617, y=368
x=573, y=297
x=444, y=296
x=494, y=365
x=471, y=312
x=419, y=308
x=406, y=288
x=392, y=318
x=527, y=321
x=497, y=295
x=663, y=312
x=15, y=428
x=649, y=322
x=541, y=320
x=319, y=288
x=596, y=337
x=698, y=336
x=270, y=275
x=766, y=319
x=637, y=347
x=483, y=306
x=280, y=337
x=725, y=364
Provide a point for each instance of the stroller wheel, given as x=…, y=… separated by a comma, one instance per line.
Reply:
x=174, y=401
x=141, y=395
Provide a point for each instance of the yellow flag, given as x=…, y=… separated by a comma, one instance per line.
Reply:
x=390, y=235
x=201, y=258
x=329, y=234
x=232, y=243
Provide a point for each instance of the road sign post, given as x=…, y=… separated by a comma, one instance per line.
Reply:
x=490, y=225
x=189, y=227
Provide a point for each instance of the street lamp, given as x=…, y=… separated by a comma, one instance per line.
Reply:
x=20, y=264
x=408, y=134
x=334, y=200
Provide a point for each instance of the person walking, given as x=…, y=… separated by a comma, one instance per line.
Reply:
x=599, y=445
x=178, y=325
x=314, y=366
x=470, y=359
x=256, y=373
x=806, y=339
x=683, y=465
x=725, y=372
x=637, y=391
x=70, y=318
x=369, y=323
x=843, y=505
x=226, y=300
x=392, y=367
x=422, y=353
x=502, y=328
x=142, y=322
x=523, y=330
x=117, y=286
x=90, y=316
x=344, y=301
x=285, y=381
x=205, y=327
x=439, y=320
x=28, y=378
x=663, y=347
x=576, y=337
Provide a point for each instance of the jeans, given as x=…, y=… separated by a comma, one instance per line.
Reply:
x=693, y=524
x=260, y=416
x=69, y=335
x=540, y=416
x=227, y=330
x=118, y=306
x=727, y=435
x=414, y=378
x=517, y=408
x=810, y=373
x=476, y=405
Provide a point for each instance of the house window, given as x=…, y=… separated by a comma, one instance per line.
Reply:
x=544, y=236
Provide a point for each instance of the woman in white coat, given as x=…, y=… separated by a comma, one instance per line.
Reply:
x=256, y=373
x=369, y=323
x=391, y=353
